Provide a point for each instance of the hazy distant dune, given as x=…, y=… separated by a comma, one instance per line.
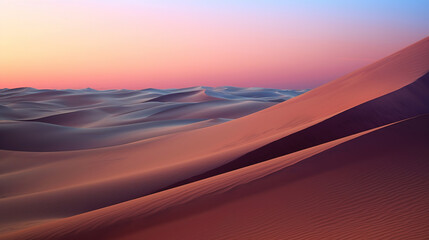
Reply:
x=87, y=118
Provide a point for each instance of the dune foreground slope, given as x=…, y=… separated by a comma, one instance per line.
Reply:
x=347, y=160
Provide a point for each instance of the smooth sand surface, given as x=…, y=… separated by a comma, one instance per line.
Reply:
x=345, y=160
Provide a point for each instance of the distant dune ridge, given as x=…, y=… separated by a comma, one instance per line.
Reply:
x=348, y=160
x=60, y=120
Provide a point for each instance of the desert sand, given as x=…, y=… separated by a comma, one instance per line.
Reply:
x=347, y=160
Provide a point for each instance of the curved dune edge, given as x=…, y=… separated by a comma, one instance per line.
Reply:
x=406, y=102
x=140, y=212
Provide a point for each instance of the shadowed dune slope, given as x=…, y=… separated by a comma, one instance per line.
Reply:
x=345, y=160
x=409, y=101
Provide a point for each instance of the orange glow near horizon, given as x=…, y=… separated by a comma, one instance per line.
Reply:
x=79, y=44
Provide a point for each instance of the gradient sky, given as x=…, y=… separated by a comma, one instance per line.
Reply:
x=108, y=44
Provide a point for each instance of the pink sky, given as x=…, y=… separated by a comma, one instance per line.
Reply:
x=168, y=44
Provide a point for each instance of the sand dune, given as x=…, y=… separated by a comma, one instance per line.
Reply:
x=59, y=120
x=345, y=160
x=191, y=96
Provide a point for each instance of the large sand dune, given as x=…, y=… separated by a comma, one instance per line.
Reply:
x=345, y=160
